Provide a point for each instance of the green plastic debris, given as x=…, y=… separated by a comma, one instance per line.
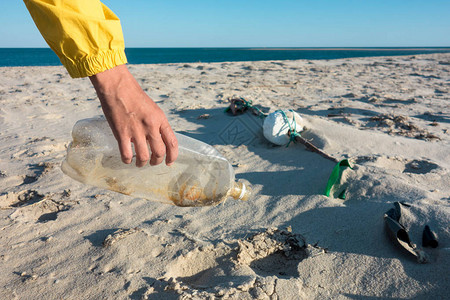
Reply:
x=334, y=177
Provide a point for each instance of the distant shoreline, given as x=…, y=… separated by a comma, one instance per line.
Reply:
x=268, y=48
x=356, y=49
x=17, y=57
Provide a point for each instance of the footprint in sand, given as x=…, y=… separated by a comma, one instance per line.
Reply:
x=273, y=253
x=420, y=167
x=23, y=198
x=7, y=180
x=116, y=244
x=30, y=205
x=400, y=164
x=10, y=198
x=39, y=147
x=251, y=269
x=38, y=170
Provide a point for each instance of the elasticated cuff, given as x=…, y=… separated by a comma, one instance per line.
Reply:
x=95, y=64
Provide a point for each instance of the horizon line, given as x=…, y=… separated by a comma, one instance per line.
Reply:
x=271, y=48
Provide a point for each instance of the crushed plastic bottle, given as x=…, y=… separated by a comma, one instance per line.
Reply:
x=200, y=176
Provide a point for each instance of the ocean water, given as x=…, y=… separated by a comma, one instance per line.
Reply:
x=45, y=57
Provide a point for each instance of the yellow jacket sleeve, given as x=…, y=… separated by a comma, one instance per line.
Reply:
x=85, y=34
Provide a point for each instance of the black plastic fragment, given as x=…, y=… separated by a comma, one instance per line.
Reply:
x=429, y=238
x=399, y=234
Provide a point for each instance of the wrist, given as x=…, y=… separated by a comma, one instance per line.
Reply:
x=110, y=79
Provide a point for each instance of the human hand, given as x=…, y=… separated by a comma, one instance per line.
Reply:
x=134, y=118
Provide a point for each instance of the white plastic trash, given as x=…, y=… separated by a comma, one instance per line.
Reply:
x=276, y=127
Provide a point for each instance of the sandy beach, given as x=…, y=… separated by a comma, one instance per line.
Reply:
x=390, y=116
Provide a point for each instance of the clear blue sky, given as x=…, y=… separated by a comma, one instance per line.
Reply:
x=263, y=23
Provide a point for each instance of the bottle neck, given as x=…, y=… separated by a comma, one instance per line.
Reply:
x=239, y=191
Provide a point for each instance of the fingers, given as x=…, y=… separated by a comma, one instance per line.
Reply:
x=141, y=148
x=161, y=144
x=125, y=150
x=171, y=143
x=157, y=147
